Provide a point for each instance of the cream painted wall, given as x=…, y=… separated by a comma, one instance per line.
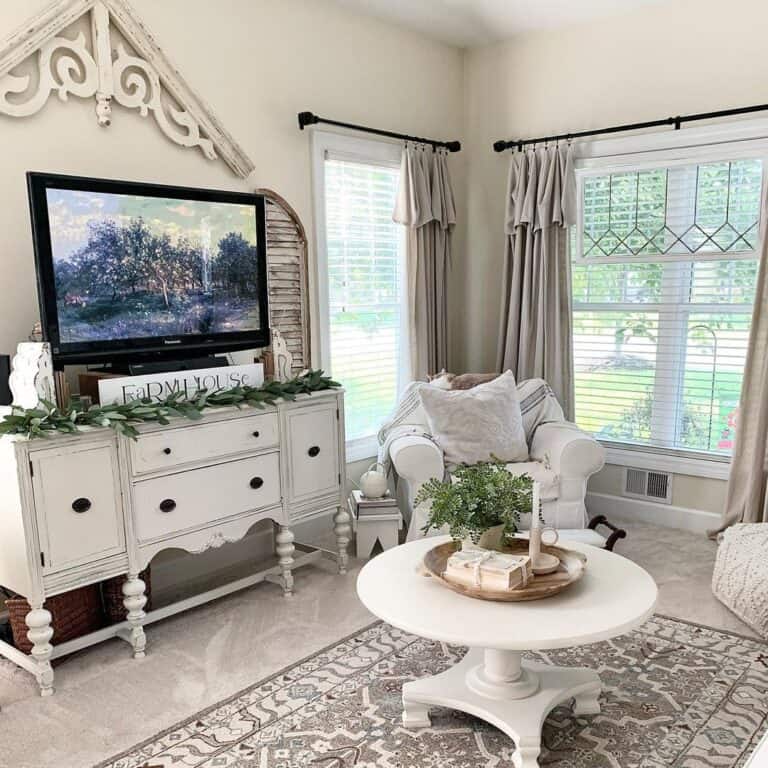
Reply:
x=704, y=494
x=673, y=58
x=257, y=63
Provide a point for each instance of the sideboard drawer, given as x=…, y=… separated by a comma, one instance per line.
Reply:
x=168, y=505
x=156, y=451
x=77, y=505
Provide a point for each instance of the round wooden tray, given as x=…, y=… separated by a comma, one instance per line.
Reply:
x=572, y=566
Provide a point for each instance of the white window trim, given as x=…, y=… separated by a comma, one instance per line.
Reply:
x=738, y=139
x=340, y=145
x=362, y=449
x=730, y=141
x=666, y=460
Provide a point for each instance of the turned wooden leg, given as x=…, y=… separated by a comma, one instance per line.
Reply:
x=134, y=601
x=40, y=633
x=343, y=529
x=285, y=549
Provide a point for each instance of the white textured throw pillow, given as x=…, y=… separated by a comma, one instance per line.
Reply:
x=475, y=424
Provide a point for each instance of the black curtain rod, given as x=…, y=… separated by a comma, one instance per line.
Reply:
x=309, y=118
x=676, y=122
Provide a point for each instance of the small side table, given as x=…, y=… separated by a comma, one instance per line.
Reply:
x=375, y=520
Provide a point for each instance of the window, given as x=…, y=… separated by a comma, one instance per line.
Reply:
x=361, y=261
x=664, y=270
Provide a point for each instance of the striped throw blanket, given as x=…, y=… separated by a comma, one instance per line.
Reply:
x=538, y=405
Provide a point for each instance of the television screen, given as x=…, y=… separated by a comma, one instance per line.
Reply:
x=123, y=266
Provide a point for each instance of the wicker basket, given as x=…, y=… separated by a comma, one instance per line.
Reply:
x=73, y=614
x=112, y=596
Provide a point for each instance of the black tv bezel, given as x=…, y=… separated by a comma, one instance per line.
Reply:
x=152, y=347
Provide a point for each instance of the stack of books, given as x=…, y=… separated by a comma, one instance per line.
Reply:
x=486, y=569
x=364, y=507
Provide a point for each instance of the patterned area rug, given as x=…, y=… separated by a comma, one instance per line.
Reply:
x=675, y=694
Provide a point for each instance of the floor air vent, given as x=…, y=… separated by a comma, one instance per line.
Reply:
x=648, y=484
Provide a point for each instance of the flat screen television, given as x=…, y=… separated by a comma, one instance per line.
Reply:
x=144, y=271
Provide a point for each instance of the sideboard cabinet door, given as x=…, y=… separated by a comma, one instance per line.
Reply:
x=77, y=504
x=313, y=440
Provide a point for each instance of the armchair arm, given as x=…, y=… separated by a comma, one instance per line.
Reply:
x=570, y=452
x=416, y=459
x=573, y=456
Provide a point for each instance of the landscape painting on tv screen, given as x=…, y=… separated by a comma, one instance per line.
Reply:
x=131, y=266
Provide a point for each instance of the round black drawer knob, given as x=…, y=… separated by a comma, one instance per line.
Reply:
x=256, y=433
x=314, y=450
x=167, y=451
x=167, y=505
x=81, y=505
x=257, y=482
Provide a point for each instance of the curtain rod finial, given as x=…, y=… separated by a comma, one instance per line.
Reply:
x=453, y=146
x=307, y=118
x=499, y=146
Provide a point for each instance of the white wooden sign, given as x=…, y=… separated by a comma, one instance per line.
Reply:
x=159, y=386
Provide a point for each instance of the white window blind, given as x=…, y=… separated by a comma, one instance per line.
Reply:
x=664, y=270
x=365, y=260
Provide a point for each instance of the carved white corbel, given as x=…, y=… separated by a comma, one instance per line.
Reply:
x=121, y=62
x=74, y=71
x=137, y=86
x=31, y=378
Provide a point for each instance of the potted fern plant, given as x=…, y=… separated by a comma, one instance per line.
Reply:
x=480, y=504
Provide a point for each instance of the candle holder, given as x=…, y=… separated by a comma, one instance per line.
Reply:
x=541, y=562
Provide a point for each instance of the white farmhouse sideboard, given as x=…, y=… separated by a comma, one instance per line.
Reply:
x=75, y=510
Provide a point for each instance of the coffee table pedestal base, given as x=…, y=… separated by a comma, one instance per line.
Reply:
x=499, y=687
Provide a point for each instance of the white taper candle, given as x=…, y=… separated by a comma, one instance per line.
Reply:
x=535, y=521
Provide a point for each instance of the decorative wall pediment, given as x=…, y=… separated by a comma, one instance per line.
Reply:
x=113, y=60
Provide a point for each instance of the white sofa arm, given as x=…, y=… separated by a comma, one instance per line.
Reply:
x=573, y=456
x=569, y=451
x=416, y=459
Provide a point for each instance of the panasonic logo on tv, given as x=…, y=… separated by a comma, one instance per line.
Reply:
x=171, y=341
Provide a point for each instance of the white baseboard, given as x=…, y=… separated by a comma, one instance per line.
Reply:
x=623, y=509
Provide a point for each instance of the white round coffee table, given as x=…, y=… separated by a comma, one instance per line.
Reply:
x=492, y=681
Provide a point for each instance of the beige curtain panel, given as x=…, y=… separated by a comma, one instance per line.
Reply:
x=745, y=500
x=425, y=205
x=535, y=336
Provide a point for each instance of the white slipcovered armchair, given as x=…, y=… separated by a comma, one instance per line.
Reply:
x=562, y=459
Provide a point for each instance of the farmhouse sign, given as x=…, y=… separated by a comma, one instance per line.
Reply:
x=159, y=386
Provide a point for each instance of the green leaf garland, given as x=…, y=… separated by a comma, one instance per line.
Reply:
x=47, y=419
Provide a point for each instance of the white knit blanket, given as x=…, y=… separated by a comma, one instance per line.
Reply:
x=538, y=405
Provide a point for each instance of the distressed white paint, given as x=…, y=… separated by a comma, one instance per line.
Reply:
x=31, y=378
x=139, y=76
x=48, y=547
